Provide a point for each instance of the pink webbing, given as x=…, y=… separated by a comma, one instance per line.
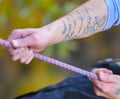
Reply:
x=56, y=62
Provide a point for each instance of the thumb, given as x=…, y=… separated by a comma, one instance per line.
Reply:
x=23, y=42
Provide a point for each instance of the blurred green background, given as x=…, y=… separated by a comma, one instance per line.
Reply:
x=17, y=79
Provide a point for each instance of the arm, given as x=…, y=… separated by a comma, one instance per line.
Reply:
x=84, y=21
x=87, y=19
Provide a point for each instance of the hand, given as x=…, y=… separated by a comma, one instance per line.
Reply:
x=28, y=41
x=108, y=84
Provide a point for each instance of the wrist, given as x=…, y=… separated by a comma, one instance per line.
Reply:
x=54, y=32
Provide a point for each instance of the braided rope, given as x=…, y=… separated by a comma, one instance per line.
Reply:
x=56, y=62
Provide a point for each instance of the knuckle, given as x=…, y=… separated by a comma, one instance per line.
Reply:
x=98, y=93
x=95, y=70
x=13, y=34
x=34, y=38
x=107, y=78
x=106, y=90
x=22, y=60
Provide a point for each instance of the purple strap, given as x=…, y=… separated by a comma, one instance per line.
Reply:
x=56, y=62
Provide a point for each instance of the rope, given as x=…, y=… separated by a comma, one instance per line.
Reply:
x=56, y=62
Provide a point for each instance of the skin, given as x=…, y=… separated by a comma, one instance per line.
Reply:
x=86, y=20
x=108, y=84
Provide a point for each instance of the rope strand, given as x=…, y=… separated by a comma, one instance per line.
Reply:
x=56, y=62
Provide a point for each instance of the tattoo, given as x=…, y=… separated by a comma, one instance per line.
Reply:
x=93, y=24
x=68, y=34
x=81, y=21
x=117, y=91
x=65, y=28
x=68, y=18
x=69, y=27
x=75, y=20
x=69, y=31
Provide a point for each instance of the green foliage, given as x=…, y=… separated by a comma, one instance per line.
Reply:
x=16, y=78
x=30, y=13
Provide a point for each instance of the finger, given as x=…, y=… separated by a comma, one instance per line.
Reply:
x=19, y=53
x=24, y=42
x=24, y=56
x=99, y=70
x=108, y=78
x=99, y=84
x=99, y=92
x=10, y=50
x=37, y=50
x=27, y=57
x=102, y=70
x=20, y=33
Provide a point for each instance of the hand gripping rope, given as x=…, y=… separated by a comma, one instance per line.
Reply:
x=56, y=62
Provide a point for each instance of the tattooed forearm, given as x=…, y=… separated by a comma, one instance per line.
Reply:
x=117, y=91
x=70, y=24
x=69, y=27
x=92, y=26
x=94, y=23
x=87, y=19
x=83, y=22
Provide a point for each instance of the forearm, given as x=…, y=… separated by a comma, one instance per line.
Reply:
x=86, y=20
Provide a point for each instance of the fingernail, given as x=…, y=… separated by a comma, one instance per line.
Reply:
x=14, y=59
x=103, y=74
x=15, y=43
x=22, y=60
x=89, y=78
x=27, y=63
